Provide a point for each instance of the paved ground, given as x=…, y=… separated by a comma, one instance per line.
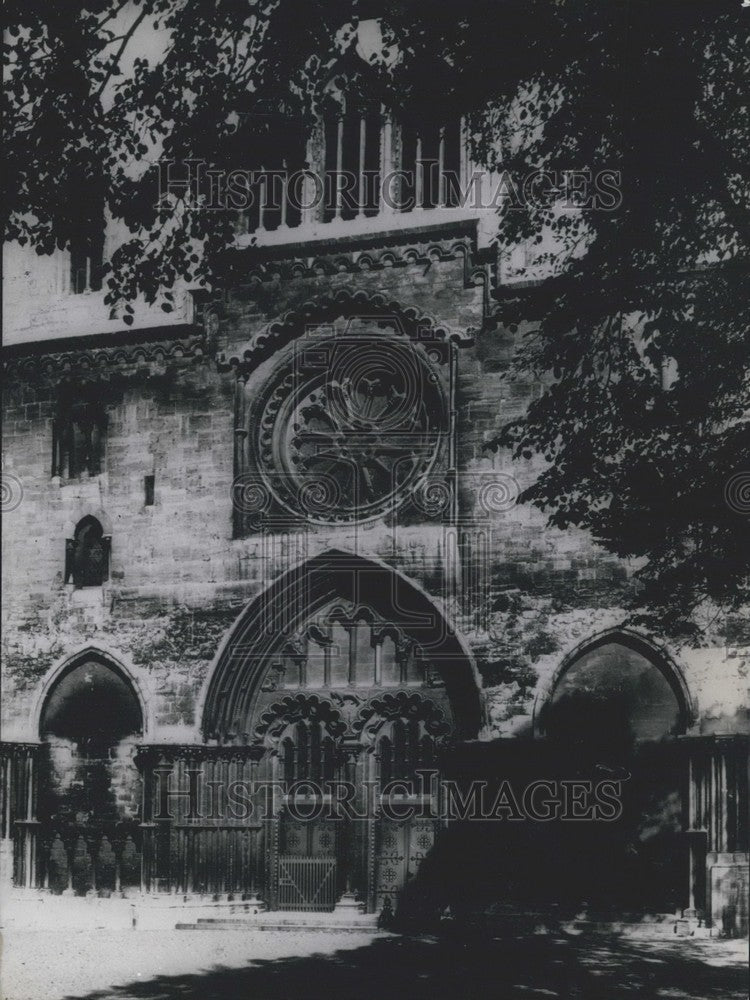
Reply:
x=240, y=965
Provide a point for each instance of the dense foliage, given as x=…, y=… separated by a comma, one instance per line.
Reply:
x=639, y=334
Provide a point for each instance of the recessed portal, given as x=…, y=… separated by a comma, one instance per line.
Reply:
x=91, y=797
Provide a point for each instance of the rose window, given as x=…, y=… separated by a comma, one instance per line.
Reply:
x=350, y=426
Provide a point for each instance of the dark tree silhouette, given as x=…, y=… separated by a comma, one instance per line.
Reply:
x=639, y=335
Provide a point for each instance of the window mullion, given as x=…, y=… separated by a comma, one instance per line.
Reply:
x=284, y=191
x=386, y=161
x=441, y=169
x=327, y=665
x=339, y=163
x=361, y=187
x=352, y=655
x=261, y=198
x=418, y=175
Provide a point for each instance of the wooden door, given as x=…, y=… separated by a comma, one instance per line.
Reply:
x=400, y=849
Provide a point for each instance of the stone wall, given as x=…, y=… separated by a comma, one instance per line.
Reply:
x=728, y=891
x=117, y=795
x=179, y=578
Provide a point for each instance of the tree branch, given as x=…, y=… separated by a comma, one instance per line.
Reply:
x=116, y=59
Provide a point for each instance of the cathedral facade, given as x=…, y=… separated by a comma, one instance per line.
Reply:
x=273, y=614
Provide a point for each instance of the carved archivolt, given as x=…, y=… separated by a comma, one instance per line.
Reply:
x=339, y=627
x=456, y=242
x=345, y=303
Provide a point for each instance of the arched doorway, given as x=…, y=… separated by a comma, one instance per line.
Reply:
x=90, y=721
x=234, y=689
x=340, y=682
x=614, y=710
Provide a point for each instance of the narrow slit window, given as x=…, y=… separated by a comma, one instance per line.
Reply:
x=87, y=263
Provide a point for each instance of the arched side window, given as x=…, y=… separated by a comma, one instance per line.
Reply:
x=90, y=720
x=91, y=703
x=90, y=712
x=87, y=554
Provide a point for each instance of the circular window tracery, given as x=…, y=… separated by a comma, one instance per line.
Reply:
x=349, y=426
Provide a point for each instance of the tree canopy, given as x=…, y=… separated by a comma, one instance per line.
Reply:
x=639, y=332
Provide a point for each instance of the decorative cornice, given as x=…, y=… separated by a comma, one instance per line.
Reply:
x=391, y=250
x=379, y=248
x=151, y=754
x=256, y=271
x=82, y=359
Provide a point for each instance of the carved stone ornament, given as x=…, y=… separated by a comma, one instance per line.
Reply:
x=401, y=705
x=295, y=708
x=348, y=426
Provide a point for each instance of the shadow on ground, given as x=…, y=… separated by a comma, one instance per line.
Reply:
x=510, y=969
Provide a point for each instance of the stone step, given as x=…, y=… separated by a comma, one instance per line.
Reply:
x=674, y=926
x=509, y=919
x=288, y=917
x=284, y=924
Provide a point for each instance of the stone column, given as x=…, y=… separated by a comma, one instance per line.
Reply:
x=348, y=903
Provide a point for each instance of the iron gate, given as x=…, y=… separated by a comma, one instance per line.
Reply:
x=307, y=883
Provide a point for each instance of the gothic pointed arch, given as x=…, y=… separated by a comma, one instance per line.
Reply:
x=90, y=715
x=616, y=681
x=265, y=650
x=93, y=694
